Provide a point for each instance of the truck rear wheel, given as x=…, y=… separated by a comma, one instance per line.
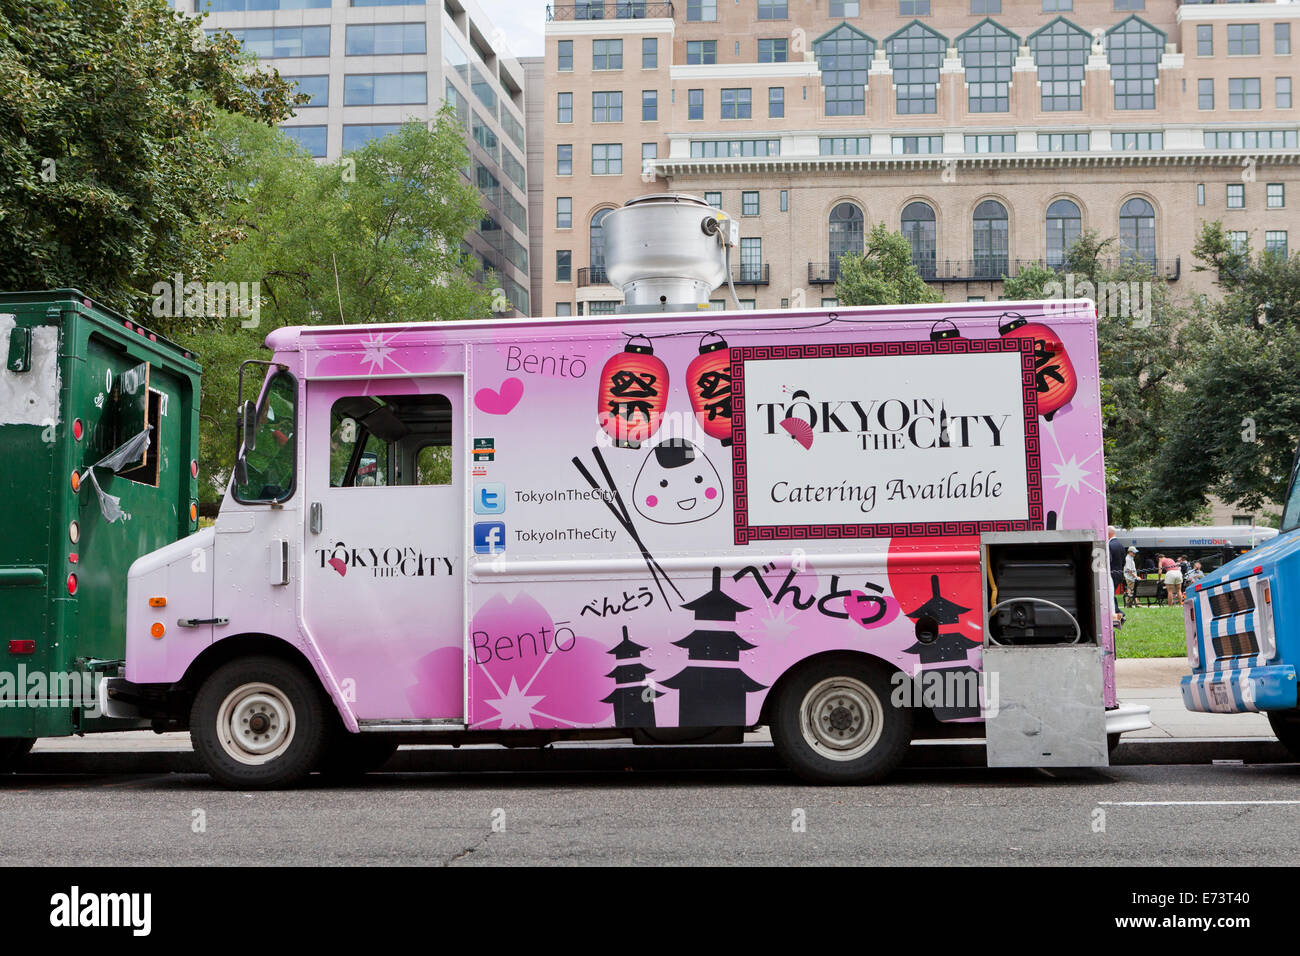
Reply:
x=12, y=750
x=835, y=722
x=258, y=724
x=1286, y=727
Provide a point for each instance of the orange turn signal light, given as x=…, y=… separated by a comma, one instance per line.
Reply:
x=157, y=630
x=158, y=602
x=76, y=482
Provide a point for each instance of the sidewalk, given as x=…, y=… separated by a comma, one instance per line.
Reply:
x=1155, y=682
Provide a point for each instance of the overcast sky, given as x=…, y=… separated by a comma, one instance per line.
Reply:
x=522, y=22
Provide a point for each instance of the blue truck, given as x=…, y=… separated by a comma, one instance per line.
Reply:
x=1243, y=631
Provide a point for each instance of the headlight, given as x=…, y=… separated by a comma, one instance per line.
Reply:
x=1189, y=626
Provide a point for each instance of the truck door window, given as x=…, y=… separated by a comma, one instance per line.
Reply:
x=271, y=463
x=390, y=440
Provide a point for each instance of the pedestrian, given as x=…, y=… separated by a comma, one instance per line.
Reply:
x=1196, y=574
x=1130, y=577
x=1173, y=583
x=1116, y=554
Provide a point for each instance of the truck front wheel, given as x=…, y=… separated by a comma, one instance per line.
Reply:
x=1286, y=727
x=258, y=724
x=835, y=722
x=12, y=750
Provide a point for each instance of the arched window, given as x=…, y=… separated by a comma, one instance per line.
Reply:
x=1060, y=52
x=987, y=53
x=1134, y=48
x=845, y=231
x=1137, y=230
x=597, y=239
x=1064, y=223
x=844, y=57
x=915, y=54
x=918, y=229
x=990, y=240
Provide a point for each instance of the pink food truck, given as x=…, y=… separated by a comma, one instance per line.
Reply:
x=856, y=527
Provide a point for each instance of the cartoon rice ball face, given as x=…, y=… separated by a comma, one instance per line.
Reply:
x=677, y=485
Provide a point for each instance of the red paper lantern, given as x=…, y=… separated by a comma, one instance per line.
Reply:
x=708, y=378
x=1057, y=381
x=633, y=393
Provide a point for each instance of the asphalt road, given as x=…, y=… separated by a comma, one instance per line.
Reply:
x=1131, y=815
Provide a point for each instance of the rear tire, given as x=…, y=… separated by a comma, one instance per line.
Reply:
x=259, y=724
x=13, y=750
x=348, y=756
x=1286, y=727
x=835, y=722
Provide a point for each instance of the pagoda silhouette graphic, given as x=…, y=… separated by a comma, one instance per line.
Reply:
x=634, y=697
x=713, y=696
x=949, y=645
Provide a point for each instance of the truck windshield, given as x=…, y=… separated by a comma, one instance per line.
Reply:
x=270, y=462
x=1291, y=513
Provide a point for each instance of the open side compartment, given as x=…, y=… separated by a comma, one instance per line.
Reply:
x=1043, y=608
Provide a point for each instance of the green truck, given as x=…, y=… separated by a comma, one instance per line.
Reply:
x=99, y=433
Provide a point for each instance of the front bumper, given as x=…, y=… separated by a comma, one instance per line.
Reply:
x=1241, y=690
x=1128, y=717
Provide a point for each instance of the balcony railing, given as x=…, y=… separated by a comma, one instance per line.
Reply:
x=751, y=274
x=592, y=275
x=609, y=10
x=989, y=269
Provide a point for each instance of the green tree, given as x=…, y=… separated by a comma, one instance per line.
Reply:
x=373, y=237
x=109, y=175
x=883, y=273
x=1258, y=289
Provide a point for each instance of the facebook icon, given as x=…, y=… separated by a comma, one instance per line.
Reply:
x=489, y=537
x=489, y=498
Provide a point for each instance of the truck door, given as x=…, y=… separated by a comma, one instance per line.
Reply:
x=384, y=567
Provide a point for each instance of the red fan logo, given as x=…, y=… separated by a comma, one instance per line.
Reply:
x=338, y=565
x=799, y=430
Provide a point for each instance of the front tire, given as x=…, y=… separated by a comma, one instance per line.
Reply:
x=1286, y=727
x=258, y=724
x=12, y=750
x=835, y=722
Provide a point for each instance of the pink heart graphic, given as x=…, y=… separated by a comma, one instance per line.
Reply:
x=500, y=403
x=338, y=565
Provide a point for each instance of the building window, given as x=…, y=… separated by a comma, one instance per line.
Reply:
x=1130, y=5
x=695, y=104
x=773, y=51
x=776, y=101
x=1205, y=93
x=649, y=151
x=736, y=104
x=991, y=143
x=1137, y=230
x=904, y=145
x=649, y=53
x=844, y=57
x=317, y=87
x=845, y=8
x=310, y=138
x=919, y=231
x=564, y=159
x=1276, y=195
x=701, y=10
x=564, y=212
x=1275, y=243
x=564, y=56
x=649, y=105
x=1281, y=39
x=751, y=260
x=1200, y=194
x=607, y=54
x=749, y=203
x=1137, y=140
x=384, y=89
x=607, y=107
x=1064, y=223
x=1060, y=51
x=713, y=199
x=699, y=52
x=1064, y=142
x=607, y=159
x=1243, y=39
x=785, y=200
x=563, y=309
x=1243, y=93
x=773, y=10
x=1282, y=92
x=596, y=246
x=844, y=145
x=1250, y=139
x=564, y=108
x=1134, y=49
x=1236, y=195
x=991, y=240
x=913, y=8
x=988, y=52
x=355, y=136
x=1204, y=39
x=1238, y=241
x=844, y=233
x=589, y=10
x=985, y=7
x=563, y=265
x=381, y=38
x=915, y=53
x=721, y=148
x=1058, y=6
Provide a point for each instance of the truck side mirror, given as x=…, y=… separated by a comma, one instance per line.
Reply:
x=248, y=425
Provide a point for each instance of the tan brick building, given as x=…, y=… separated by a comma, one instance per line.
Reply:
x=989, y=131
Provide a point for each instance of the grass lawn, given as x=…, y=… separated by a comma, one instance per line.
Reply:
x=1151, y=632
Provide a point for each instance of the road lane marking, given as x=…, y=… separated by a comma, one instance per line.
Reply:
x=1196, y=803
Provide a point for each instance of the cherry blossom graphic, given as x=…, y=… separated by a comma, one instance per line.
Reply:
x=1070, y=474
